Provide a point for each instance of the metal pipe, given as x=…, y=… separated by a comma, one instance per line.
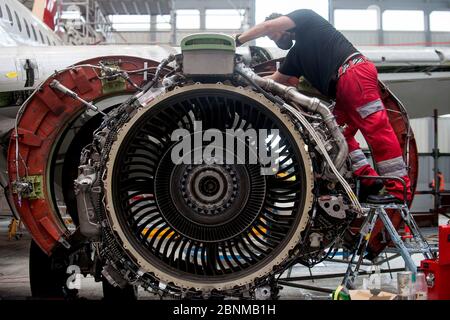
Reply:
x=436, y=162
x=55, y=84
x=337, y=275
x=306, y=287
x=309, y=103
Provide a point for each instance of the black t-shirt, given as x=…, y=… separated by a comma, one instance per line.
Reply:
x=318, y=52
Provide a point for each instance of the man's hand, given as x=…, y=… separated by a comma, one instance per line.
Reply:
x=236, y=39
x=293, y=82
x=283, y=79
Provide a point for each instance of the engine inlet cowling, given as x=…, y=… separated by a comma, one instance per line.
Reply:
x=218, y=222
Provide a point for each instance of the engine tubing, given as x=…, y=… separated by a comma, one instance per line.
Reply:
x=43, y=120
x=397, y=117
x=400, y=123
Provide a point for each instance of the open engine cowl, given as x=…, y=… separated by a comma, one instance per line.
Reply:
x=41, y=123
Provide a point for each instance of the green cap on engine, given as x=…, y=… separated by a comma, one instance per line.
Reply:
x=208, y=41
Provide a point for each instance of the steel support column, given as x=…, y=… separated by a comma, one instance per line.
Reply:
x=427, y=30
x=331, y=11
x=436, y=161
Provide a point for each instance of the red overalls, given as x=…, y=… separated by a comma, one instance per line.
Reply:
x=359, y=105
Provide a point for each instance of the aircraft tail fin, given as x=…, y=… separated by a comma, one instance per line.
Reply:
x=46, y=11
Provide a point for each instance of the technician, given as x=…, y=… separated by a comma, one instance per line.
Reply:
x=323, y=56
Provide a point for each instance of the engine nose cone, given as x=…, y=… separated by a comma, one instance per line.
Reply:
x=209, y=187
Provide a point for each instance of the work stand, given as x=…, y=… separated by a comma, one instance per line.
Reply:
x=404, y=248
x=417, y=243
x=372, y=213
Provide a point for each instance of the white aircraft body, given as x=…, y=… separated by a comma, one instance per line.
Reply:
x=19, y=27
x=30, y=52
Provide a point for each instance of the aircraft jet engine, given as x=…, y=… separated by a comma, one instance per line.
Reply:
x=191, y=177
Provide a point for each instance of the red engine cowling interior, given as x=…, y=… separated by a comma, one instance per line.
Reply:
x=40, y=125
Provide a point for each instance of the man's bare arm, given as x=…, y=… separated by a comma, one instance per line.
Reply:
x=264, y=28
x=284, y=79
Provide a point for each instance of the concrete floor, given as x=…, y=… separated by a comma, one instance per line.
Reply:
x=14, y=281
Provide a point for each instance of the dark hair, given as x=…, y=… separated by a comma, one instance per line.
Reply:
x=273, y=16
x=285, y=43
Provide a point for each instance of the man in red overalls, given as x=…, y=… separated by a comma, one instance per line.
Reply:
x=332, y=65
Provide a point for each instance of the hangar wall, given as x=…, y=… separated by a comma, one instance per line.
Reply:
x=359, y=38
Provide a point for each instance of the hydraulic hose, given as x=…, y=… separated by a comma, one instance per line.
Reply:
x=311, y=104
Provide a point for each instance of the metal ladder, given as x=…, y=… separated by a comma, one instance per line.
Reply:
x=376, y=211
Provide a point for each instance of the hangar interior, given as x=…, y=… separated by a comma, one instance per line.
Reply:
x=409, y=42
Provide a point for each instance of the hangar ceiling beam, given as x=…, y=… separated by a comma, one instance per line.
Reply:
x=139, y=7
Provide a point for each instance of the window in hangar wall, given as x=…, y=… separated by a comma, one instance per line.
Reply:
x=188, y=19
x=366, y=20
x=123, y=22
x=403, y=20
x=163, y=22
x=440, y=21
x=224, y=19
